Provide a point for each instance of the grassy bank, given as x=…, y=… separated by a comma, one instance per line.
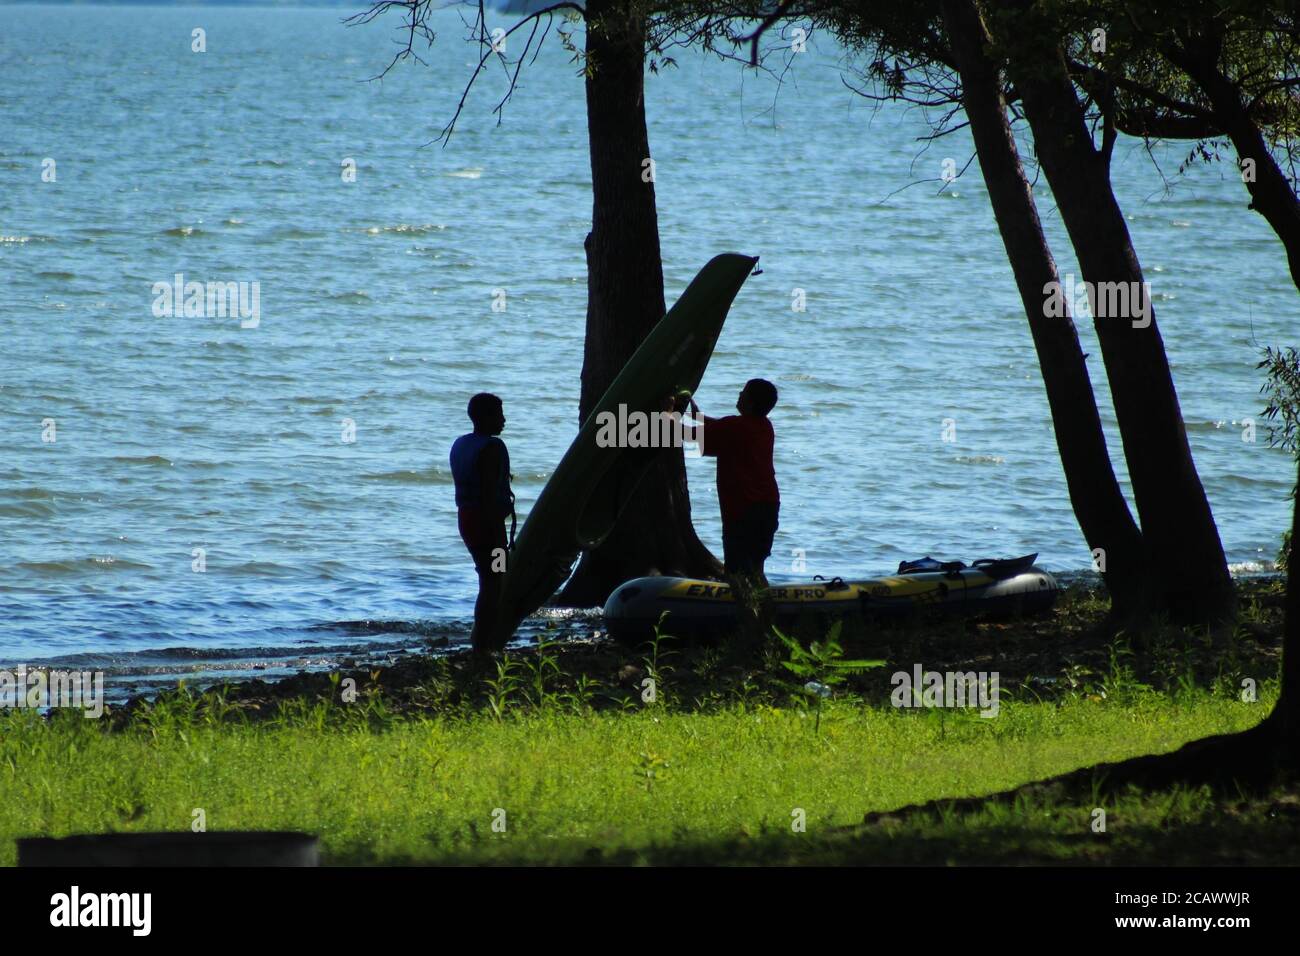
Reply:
x=578, y=787
x=557, y=757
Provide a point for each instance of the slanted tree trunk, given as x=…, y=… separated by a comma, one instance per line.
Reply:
x=1095, y=493
x=1271, y=194
x=625, y=298
x=1188, y=564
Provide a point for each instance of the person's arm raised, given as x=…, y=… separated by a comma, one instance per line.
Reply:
x=713, y=434
x=698, y=416
x=692, y=433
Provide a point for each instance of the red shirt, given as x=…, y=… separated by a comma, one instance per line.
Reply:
x=743, y=446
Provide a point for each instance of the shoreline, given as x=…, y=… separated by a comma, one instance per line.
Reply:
x=1031, y=653
x=151, y=671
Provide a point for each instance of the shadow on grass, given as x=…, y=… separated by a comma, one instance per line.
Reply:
x=1164, y=828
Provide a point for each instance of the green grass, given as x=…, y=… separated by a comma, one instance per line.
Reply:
x=412, y=762
x=655, y=785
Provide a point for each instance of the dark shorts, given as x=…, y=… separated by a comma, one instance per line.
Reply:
x=747, y=541
x=480, y=542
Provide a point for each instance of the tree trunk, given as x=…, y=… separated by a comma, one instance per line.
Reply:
x=1273, y=198
x=1287, y=712
x=1095, y=493
x=625, y=298
x=1187, y=558
x=1270, y=193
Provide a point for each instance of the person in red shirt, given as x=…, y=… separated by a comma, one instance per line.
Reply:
x=747, y=491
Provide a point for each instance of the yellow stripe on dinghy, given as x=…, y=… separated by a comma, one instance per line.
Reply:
x=899, y=586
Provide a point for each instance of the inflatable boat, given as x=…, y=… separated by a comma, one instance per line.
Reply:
x=696, y=608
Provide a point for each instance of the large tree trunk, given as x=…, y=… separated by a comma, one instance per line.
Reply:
x=1270, y=192
x=1095, y=493
x=1287, y=711
x=1187, y=556
x=625, y=298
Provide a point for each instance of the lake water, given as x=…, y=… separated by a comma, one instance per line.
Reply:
x=173, y=434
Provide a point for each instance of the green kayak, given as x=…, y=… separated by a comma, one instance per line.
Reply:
x=584, y=497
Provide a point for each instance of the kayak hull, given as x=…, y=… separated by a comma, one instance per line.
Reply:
x=697, y=608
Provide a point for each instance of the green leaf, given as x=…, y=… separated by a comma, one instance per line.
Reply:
x=858, y=665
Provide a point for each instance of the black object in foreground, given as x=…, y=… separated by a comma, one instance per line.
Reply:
x=239, y=848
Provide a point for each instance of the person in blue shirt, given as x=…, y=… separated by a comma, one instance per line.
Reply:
x=480, y=467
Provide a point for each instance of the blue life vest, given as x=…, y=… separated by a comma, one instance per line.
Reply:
x=465, y=452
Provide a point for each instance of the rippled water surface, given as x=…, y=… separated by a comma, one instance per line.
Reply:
x=174, y=434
